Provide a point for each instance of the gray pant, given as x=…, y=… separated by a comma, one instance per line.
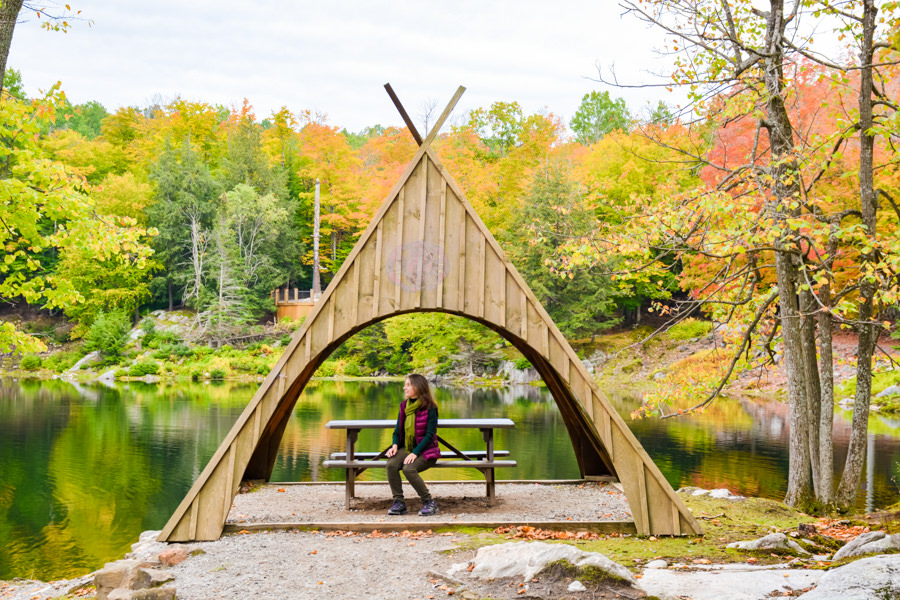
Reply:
x=412, y=470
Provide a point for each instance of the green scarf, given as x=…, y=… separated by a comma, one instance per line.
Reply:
x=410, y=423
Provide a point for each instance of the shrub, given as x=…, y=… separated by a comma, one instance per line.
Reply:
x=522, y=363
x=689, y=329
x=263, y=370
x=144, y=367
x=30, y=362
x=108, y=333
x=353, y=370
x=241, y=364
x=120, y=373
x=217, y=374
x=327, y=369
x=397, y=365
x=61, y=361
x=444, y=368
x=148, y=326
x=164, y=352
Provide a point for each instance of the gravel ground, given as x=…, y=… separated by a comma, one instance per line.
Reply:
x=347, y=566
x=458, y=502
x=305, y=565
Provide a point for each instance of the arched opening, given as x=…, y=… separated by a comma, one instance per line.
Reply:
x=591, y=457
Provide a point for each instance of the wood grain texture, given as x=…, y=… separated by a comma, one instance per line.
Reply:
x=385, y=274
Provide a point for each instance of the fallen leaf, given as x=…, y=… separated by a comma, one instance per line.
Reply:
x=314, y=552
x=280, y=489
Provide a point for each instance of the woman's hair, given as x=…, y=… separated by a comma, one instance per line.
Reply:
x=423, y=390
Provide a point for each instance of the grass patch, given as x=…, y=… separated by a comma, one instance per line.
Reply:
x=689, y=329
x=880, y=381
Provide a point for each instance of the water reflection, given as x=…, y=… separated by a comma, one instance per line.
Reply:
x=85, y=468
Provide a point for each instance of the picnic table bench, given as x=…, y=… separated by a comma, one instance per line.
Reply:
x=484, y=460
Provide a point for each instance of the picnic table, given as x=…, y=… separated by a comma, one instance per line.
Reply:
x=485, y=460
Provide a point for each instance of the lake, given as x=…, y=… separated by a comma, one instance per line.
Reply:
x=84, y=469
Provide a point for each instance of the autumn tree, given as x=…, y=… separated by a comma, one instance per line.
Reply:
x=48, y=217
x=761, y=214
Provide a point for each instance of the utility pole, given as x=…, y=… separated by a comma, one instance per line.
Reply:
x=317, y=284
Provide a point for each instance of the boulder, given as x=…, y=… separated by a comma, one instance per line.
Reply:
x=172, y=556
x=773, y=541
x=121, y=580
x=89, y=358
x=865, y=579
x=143, y=578
x=724, y=494
x=874, y=542
x=160, y=593
x=113, y=575
x=576, y=586
x=891, y=390
x=147, y=549
x=525, y=559
x=657, y=564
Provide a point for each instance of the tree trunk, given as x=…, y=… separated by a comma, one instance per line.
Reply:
x=808, y=308
x=826, y=369
x=868, y=333
x=9, y=13
x=799, y=489
x=783, y=171
x=171, y=296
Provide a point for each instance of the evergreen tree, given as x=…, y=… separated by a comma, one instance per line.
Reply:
x=554, y=213
x=183, y=213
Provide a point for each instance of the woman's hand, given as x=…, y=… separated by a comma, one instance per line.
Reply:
x=409, y=458
x=391, y=451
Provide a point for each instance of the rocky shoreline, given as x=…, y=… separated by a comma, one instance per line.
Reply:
x=421, y=562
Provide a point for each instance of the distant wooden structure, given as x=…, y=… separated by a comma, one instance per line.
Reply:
x=293, y=303
x=426, y=250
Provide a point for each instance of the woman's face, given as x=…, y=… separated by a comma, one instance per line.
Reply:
x=408, y=390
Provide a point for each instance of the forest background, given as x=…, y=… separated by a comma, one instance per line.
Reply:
x=766, y=206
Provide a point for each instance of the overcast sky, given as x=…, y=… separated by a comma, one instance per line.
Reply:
x=334, y=56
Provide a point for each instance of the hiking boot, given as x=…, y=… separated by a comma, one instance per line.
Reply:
x=398, y=508
x=430, y=508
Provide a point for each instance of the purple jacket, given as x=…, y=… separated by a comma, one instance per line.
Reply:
x=426, y=432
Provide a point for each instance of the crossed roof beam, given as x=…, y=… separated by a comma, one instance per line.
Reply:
x=437, y=126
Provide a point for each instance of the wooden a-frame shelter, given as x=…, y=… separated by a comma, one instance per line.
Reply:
x=427, y=250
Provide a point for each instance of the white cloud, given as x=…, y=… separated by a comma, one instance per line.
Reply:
x=334, y=56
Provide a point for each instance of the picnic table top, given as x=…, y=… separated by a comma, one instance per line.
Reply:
x=501, y=423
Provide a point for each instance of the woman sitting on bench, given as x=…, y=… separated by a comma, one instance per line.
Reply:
x=416, y=430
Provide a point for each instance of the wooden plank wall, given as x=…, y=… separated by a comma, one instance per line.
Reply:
x=426, y=250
